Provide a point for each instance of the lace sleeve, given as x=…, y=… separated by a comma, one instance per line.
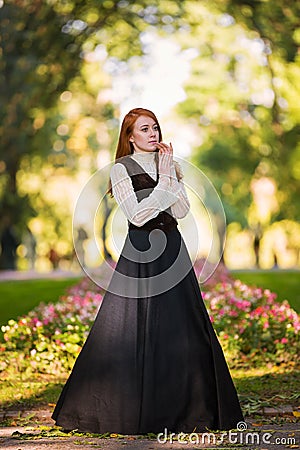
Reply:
x=139, y=213
x=182, y=206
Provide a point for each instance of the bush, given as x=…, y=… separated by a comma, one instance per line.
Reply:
x=51, y=335
x=253, y=328
x=251, y=325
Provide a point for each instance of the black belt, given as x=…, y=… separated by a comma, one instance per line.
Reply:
x=159, y=223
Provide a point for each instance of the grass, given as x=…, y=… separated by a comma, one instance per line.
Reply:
x=271, y=387
x=285, y=283
x=31, y=391
x=276, y=386
x=19, y=297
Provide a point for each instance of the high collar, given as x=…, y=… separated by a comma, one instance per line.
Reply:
x=145, y=156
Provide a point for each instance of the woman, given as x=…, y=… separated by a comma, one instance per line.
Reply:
x=152, y=360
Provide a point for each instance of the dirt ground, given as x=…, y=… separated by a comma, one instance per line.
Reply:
x=257, y=436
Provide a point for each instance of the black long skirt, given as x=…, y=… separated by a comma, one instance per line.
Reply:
x=152, y=359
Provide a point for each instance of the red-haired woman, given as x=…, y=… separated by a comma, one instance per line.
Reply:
x=152, y=360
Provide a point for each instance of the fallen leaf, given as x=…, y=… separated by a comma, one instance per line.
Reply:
x=296, y=414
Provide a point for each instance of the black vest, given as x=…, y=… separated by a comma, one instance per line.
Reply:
x=143, y=184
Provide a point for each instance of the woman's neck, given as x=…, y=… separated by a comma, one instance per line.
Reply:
x=144, y=156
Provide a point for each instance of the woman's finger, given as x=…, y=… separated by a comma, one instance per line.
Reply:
x=164, y=147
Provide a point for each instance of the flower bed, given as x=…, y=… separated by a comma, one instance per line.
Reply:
x=50, y=336
x=253, y=328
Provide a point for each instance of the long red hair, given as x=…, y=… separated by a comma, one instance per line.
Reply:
x=125, y=147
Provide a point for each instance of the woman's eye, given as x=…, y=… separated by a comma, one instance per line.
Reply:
x=144, y=129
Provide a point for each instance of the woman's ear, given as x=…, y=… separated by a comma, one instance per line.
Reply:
x=131, y=139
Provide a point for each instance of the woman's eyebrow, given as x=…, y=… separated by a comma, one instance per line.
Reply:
x=147, y=125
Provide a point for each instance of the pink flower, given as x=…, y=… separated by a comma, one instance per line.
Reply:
x=284, y=340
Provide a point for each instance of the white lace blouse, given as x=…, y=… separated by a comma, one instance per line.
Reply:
x=162, y=197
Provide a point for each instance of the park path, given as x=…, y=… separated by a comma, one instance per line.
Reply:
x=263, y=437
x=12, y=275
x=6, y=275
x=37, y=432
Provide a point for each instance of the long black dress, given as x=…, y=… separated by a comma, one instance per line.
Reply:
x=153, y=362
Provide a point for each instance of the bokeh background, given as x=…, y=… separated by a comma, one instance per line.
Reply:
x=223, y=78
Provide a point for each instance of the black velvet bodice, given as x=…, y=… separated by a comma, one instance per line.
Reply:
x=143, y=184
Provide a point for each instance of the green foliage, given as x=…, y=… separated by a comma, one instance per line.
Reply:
x=276, y=21
x=243, y=96
x=253, y=328
x=37, y=63
x=51, y=335
x=44, y=49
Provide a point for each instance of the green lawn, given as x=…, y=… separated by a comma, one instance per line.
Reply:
x=256, y=388
x=285, y=283
x=19, y=297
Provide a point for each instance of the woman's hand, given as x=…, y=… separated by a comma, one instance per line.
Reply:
x=165, y=153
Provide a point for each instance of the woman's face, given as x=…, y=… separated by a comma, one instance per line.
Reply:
x=145, y=135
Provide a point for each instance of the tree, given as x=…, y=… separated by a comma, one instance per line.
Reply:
x=43, y=46
x=244, y=97
x=277, y=25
